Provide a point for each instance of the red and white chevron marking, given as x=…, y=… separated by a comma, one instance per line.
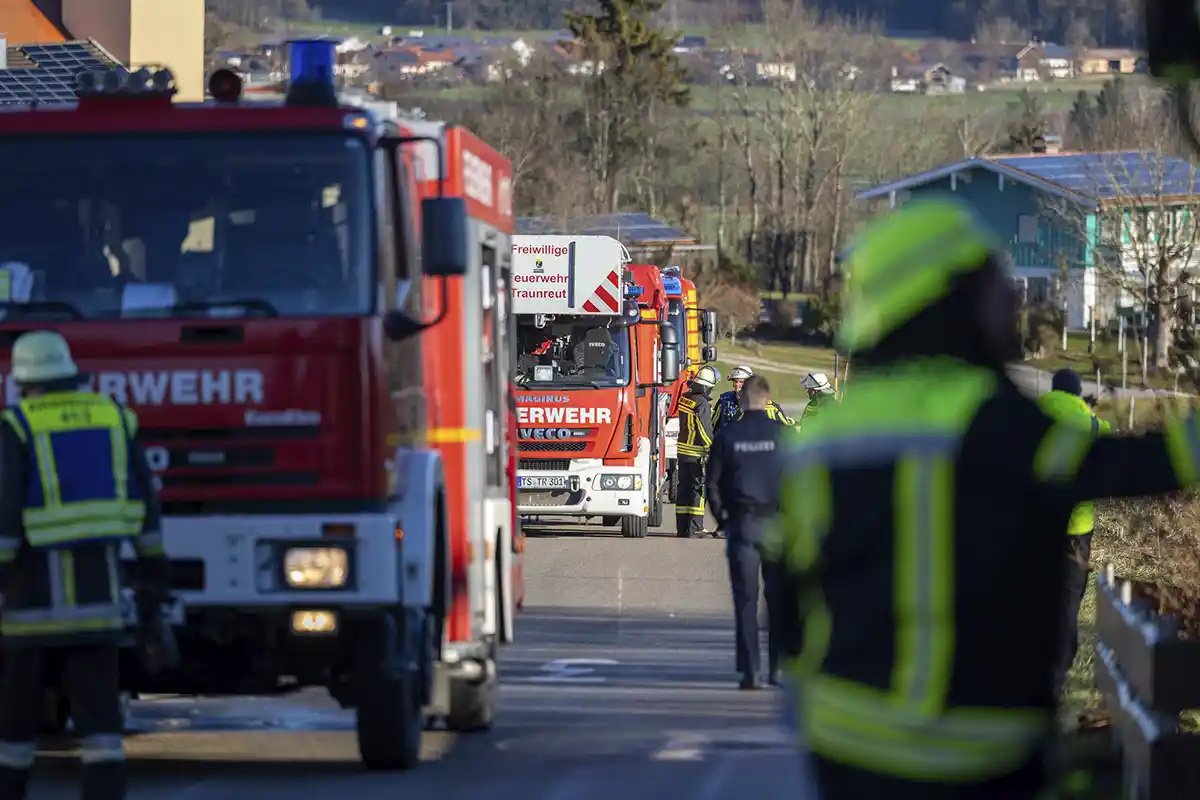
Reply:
x=607, y=295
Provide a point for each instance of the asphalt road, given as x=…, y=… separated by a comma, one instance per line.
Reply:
x=647, y=709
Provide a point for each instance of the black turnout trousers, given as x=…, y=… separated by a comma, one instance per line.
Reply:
x=88, y=675
x=689, y=498
x=839, y=782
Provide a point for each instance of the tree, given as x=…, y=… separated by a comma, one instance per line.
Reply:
x=635, y=79
x=1138, y=211
x=1028, y=127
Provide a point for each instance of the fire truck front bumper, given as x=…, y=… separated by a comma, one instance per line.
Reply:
x=282, y=562
x=588, y=489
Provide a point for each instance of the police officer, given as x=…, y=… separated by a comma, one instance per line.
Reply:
x=74, y=485
x=1065, y=401
x=695, y=436
x=742, y=496
x=820, y=393
x=923, y=521
x=728, y=404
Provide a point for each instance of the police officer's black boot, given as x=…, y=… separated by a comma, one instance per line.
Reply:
x=13, y=783
x=104, y=780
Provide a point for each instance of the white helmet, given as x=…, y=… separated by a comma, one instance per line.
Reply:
x=42, y=357
x=817, y=382
x=707, y=376
x=740, y=373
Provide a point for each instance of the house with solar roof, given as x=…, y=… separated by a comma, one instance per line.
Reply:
x=45, y=44
x=1072, y=210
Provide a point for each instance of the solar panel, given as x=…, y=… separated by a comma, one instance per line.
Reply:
x=54, y=77
x=1112, y=175
x=630, y=227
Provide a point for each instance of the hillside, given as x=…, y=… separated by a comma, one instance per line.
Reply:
x=1106, y=22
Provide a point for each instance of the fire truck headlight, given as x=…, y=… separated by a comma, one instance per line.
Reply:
x=620, y=483
x=316, y=567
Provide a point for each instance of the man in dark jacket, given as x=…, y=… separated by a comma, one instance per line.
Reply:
x=695, y=437
x=743, y=475
x=74, y=486
x=923, y=522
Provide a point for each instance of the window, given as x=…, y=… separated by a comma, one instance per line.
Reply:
x=1027, y=229
x=1037, y=291
x=582, y=353
x=136, y=226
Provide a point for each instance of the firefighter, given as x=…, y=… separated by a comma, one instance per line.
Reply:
x=728, y=405
x=820, y=392
x=75, y=485
x=922, y=527
x=695, y=436
x=1065, y=401
x=743, y=497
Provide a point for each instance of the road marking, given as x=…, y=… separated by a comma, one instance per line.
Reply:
x=571, y=670
x=682, y=747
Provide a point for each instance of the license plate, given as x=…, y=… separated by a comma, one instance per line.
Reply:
x=172, y=611
x=542, y=482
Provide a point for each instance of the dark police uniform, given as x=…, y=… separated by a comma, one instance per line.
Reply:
x=695, y=437
x=727, y=410
x=742, y=484
x=74, y=485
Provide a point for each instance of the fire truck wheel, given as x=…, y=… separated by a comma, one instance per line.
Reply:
x=656, y=508
x=635, y=527
x=390, y=714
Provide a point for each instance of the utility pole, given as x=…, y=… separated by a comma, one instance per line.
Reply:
x=449, y=17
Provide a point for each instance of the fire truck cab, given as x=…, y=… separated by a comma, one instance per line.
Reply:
x=272, y=288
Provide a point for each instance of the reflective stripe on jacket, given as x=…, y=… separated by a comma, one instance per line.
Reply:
x=80, y=484
x=695, y=429
x=1067, y=407
x=85, y=486
x=898, y=536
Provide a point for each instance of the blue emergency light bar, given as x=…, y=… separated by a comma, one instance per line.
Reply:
x=312, y=60
x=672, y=285
x=634, y=291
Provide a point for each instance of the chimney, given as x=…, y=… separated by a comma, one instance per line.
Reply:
x=141, y=33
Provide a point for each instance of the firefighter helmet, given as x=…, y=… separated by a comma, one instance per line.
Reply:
x=817, y=382
x=906, y=261
x=740, y=373
x=707, y=376
x=42, y=357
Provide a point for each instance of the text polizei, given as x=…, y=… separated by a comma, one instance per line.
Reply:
x=185, y=387
x=754, y=447
x=536, y=415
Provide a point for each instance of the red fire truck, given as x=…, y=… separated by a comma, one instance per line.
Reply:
x=590, y=373
x=273, y=288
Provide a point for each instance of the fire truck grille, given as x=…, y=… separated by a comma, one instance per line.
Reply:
x=546, y=464
x=555, y=447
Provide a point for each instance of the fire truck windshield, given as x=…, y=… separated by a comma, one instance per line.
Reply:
x=581, y=354
x=144, y=226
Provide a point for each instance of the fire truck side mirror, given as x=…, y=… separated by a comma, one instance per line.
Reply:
x=708, y=354
x=668, y=356
x=708, y=326
x=444, y=236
